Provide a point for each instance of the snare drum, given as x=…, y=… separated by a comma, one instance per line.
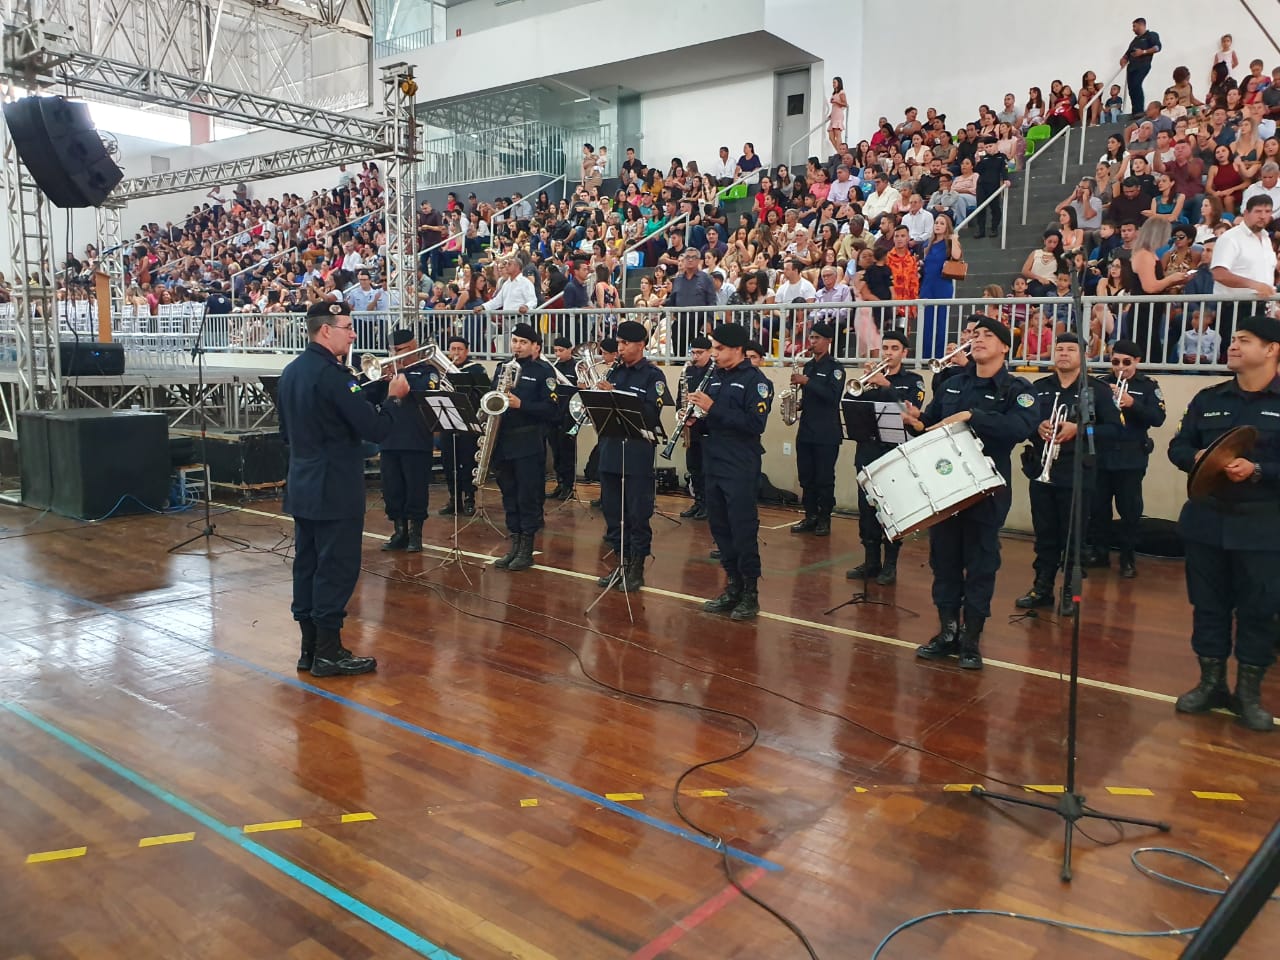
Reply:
x=928, y=479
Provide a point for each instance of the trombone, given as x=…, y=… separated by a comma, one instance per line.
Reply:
x=941, y=363
x=373, y=367
x=858, y=387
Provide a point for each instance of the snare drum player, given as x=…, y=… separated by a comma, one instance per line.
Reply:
x=964, y=550
x=894, y=385
x=1233, y=538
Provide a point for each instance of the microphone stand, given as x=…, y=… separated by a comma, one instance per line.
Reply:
x=1071, y=806
x=209, y=532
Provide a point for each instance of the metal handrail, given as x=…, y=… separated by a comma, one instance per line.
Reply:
x=1040, y=151
x=1003, y=195
x=1084, y=110
x=231, y=280
x=791, y=150
x=463, y=233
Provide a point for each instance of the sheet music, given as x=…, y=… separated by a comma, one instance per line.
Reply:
x=889, y=422
x=448, y=414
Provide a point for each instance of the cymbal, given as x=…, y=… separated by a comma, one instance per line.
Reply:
x=1208, y=477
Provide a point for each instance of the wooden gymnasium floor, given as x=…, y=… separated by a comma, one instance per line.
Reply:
x=171, y=788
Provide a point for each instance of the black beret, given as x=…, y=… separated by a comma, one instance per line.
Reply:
x=700, y=343
x=999, y=329
x=1066, y=337
x=753, y=345
x=1261, y=326
x=562, y=342
x=632, y=332
x=730, y=335
x=327, y=308
x=897, y=335
x=609, y=345
x=461, y=340
x=401, y=336
x=823, y=329
x=527, y=332
x=1128, y=347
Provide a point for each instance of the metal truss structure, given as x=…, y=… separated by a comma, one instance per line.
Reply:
x=37, y=53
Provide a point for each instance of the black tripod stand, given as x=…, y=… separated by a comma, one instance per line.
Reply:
x=209, y=531
x=1071, y=806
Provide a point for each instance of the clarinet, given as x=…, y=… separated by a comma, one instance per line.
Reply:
x=687, y=412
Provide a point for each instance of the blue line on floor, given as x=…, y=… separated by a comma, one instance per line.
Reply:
x=305, y=877
x=441, y=739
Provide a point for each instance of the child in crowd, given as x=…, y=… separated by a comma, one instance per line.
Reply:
x=1226, y=55
x=1113, y=106
x=1200, y=343
x=1038, y=342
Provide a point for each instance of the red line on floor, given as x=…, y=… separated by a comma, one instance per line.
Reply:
x=700, y=915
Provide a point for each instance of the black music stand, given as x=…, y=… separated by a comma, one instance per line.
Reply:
x=452, y=413
x=618, y=415
x=871, y=421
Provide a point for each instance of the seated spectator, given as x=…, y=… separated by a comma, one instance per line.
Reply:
x=1225, y=185
x=1041, y=266
x=1037, y=340
x=918, y=221
x=748, y=164
x=1113, y=105
x=1268, y=185
x=1182, y=256
x=1200, y=343
x=1167, y=204
x=1084, y=204
x=946, y=200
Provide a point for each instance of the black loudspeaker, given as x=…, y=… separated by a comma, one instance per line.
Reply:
x=59, y=145
x=247, y=459
x=105, y=462
x=89, y=358
x=33, y=458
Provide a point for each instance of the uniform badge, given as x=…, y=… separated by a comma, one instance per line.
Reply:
x=1159, y=395
x=838, y=373
x=1026, y=400
x=660, y=387
x=552, y=383
x=763, y=389
x=353, y=387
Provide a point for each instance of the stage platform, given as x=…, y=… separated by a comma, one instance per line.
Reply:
x=172, y=787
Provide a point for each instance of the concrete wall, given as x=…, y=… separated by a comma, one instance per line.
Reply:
x=727, y=113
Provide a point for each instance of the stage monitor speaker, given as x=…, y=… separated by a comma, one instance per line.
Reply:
x=33, y=459
x=60, y=146
x=108, y=461
x=89, y=358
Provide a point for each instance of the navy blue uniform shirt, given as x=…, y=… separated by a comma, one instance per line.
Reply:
x=820, y=402
x=411, y=430
x=742, y=398
x=523, y=431
x=1106, y=424
x=324, y=422
x=1129, y=449
x=1003, y=411
x=645, y=381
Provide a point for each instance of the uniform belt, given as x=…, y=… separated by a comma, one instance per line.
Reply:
x=1247, y=508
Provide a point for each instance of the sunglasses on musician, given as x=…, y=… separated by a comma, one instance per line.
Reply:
x=1121, y=362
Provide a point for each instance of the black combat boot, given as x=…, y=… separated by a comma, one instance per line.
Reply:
x=1040, y=594
x=889, y=572
x=308, y=629
x=523, y=559
x=823, y=527
x=748, y=604
x=807, y=525
x=1128, y=565
x=692, y=511
x=1097, y=557
x=332, y=659
x=869, y=567
x=503, y=562
x=415, y=536
x=447, y=510
x=970, y=638
x=400, y=539
x=608, y=578
x=1211, y=692
x=701, y=512
x=1247, y=702
x=947, y=642
x=469, y=505
x=632, y=578
x=727, y=600
x=554, y=494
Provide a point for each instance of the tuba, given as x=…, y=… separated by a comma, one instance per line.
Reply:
x=793, y=400
x=493, y=405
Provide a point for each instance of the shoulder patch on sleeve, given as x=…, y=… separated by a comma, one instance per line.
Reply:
x=353, y=387
x=763, y=389
x=552, y=383
x=1026, y=400
x=1159, y=395
x=838, y=373
x=660, y=387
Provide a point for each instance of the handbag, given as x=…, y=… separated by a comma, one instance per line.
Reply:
x=954, y=270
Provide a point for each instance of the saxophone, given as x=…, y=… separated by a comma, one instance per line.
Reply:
x=493, y=405
x=687, y=411
x=792, y=401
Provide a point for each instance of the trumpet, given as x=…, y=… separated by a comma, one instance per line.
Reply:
x=858, y=387
x=1122, y=390
x=941, y=363
x=1057, y=417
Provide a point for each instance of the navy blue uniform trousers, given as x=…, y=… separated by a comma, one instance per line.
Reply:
x=964, y=554
x=405, y=476
x=520, y=481
x=326, y=565
x=816, y=470
x=634, y=512
x=734, y=523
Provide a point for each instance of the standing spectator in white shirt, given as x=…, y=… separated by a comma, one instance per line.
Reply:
x=1244, y=263
x=515, y=295
x=363, y=299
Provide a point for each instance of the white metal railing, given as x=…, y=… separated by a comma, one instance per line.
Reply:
x=395, y=46
x=426, y=252
x=1175, y=333
x=1040, y=152
x=460, y=159
x=1084, y=110
x=1001, y=196
x=791, y=150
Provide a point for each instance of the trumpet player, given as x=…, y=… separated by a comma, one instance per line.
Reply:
x=818, y=387
x=404, y=459
x=519, y=456
x=1047, y=462
x=896, y=385
x=1122, y=463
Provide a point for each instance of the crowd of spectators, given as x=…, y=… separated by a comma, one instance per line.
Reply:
x=874, y=221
